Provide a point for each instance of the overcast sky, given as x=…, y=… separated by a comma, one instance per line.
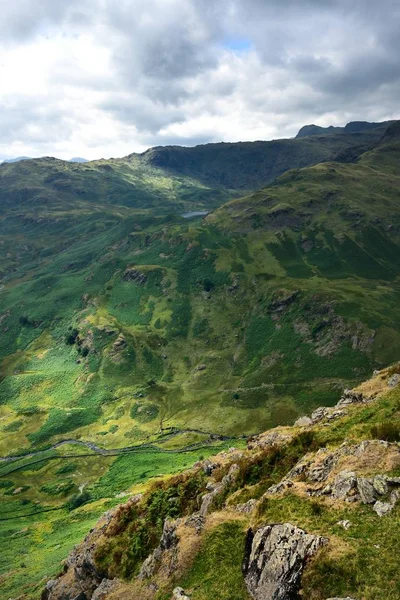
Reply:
x=101, y=78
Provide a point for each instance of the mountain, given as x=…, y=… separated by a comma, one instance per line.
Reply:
x=14, y=160
x=135, y=341
x=78, y=159
x=352, y=127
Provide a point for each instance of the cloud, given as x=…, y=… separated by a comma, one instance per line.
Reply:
x=105, y=78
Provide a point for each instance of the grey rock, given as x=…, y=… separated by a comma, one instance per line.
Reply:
x=394, y=497
x=393, y=380
x=179, y=594
x=321, y=471
x=280, y=487
x=274, y=560
x=344, y=484
x=393, y=480
x=318, y=414
x=336, y=414
x=195, y=521
x=168, y=540
x=345, y=524
x=350, y=397
x=303, y=422
x=366, y=490
x=105, y=587
x=132, y=274
x=209, y=467
x=216, y=489
x=247, y=507
x=380, y=484
x=382, y=508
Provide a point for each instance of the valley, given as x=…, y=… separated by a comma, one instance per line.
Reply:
x=163, y=307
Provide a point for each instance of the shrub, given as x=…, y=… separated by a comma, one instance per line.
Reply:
x=78, y=500
x=70, y=337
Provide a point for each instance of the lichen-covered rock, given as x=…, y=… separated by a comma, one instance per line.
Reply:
x=345, y=483
x=366, y=490
x=382, y=508
x=344, y=523
x=380, y=484
x=274, y=560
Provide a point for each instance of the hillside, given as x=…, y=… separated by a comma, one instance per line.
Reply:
x=135, y=340
x=311, y=508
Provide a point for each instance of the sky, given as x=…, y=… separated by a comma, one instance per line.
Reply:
x=103, y=78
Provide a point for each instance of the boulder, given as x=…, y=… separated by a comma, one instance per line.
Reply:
x=393, y=380
x=179, y=594
x=380, y=484
x=382, y=508
x=318, y=414
x=366, y=490
x=344, y=484
x=303, y=422
x=274, y=560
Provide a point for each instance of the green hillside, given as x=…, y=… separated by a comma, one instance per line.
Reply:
x=133, y=330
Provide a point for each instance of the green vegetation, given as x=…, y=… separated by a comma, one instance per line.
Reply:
x=123, y=324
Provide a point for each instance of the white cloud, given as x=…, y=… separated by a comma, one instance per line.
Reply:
x=100, y=78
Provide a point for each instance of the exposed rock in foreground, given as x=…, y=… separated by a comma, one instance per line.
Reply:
x=275, y=558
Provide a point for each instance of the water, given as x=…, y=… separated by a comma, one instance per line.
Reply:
x=195, y=213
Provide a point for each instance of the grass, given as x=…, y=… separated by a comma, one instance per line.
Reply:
x=223, y=546
x=205, y=344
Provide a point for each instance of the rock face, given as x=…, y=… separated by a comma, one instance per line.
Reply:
x=168, y=541
x=274, y=560
x=217, y=489
x=132, y=274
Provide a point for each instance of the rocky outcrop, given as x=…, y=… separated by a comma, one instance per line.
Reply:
x=81, y=578
x=132, y=274
x=216, y=489
x=274, y=560
x=168, y=541
x=351, y=397
x=394, y=380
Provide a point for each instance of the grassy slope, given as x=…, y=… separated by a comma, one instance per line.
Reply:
x=360, y=561
x=212, y=297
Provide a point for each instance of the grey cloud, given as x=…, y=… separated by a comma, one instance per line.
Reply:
x=22, y=19
x=171, y=64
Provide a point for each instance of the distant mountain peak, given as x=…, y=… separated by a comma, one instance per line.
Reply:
x=352, y=127
x=78, y=159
